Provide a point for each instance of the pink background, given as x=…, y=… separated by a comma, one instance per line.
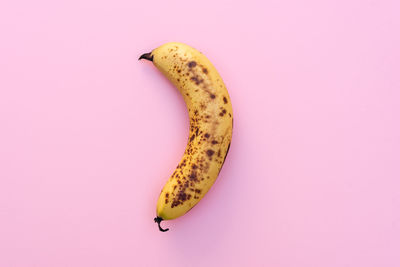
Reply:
x=89, y=135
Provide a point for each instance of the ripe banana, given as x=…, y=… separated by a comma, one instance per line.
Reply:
x=211, y=123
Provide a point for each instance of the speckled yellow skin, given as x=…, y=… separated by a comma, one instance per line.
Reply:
x=211, y=122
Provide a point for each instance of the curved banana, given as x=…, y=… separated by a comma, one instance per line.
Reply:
x=211, y=122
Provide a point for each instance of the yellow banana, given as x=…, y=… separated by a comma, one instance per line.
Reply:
x=211, y=123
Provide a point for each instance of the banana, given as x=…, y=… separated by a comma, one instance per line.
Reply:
x=211, y=123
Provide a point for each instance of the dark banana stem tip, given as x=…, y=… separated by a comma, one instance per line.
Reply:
x=147, y=56
x=158, y=221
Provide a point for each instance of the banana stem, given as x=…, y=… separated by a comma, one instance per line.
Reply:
x=147, y=56
x=158, y=221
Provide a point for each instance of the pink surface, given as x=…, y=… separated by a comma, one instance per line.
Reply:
x=89, y=135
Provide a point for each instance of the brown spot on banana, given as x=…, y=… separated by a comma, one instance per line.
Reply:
x=192, y=64
x=210, y=153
